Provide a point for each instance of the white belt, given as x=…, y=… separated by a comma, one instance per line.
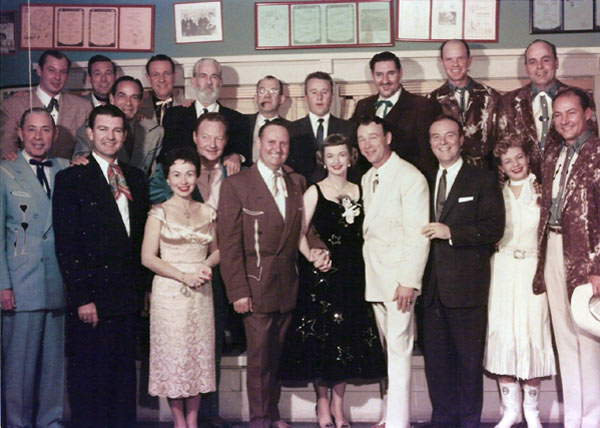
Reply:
x=518, y=253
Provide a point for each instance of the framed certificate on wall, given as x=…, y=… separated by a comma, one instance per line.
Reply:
x=564, y=16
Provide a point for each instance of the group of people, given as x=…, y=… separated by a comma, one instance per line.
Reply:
x=326, y=235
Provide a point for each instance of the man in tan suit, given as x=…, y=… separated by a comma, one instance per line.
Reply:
x=259, y=226
x=68, y=111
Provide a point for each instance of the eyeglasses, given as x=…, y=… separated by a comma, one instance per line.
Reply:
x=272, y=91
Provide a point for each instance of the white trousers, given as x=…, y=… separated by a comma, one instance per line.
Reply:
x=578, y=352
x=396, y=330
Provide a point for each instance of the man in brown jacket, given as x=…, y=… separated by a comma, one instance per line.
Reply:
x=569, y=243
x=259, y=225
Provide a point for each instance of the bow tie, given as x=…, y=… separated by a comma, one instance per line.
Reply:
x=379, y=103
x=101, y=99
x=163, y=102
x=51, y=105
x=36, y=162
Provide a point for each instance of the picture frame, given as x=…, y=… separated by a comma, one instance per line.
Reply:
x=198, y=22
x=564, y=16
x=8, y=25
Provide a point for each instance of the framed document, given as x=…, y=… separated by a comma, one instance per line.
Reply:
x=136, y=28
x=8, y=25
x=103, y=27
x=437, y=20
x=334, y=23
x=37, y=27
x=563, y=16
x=70, y=27
x=198, y=22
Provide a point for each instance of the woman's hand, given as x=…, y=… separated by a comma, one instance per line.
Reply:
x=205, y=273
x=192, y=279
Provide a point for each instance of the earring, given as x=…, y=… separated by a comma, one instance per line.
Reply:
x=349, y=165
x=324, y=166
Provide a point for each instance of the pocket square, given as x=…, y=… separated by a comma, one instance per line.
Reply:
x=21, y=194
x=465, y=199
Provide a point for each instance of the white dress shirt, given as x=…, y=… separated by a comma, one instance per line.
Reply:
x=314, y=122
x=452, y=172
x=34, y=168
x=213, y=108
x=122, y=201
x=393, y=99
x=45, y=99
x=267, y=175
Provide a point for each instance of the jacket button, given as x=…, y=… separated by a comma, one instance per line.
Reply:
x=44, y=236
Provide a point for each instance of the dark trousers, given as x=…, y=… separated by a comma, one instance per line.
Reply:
x=265, y=334
x=454, y=343
x=101, y=372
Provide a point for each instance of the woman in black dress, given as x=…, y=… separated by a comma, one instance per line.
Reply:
x=333, y=336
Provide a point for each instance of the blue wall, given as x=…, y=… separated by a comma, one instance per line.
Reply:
x=238, y=29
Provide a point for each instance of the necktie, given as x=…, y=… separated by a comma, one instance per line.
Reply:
x=41, y=175
x=440, y=199
x=320, y=132
x=387, y=104
x=52, y=105
x=462, y=106
x=117, y=182
x=375, y=182
x=544, y=119
x=161, y=106
x=129, y=142
x=563, y=180
x=276, y=176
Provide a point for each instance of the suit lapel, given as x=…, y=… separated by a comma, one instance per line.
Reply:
x=263, y=196
x=579, y=167
x=291, y=208
x=27, y=179
x=455, y=191
x=380, y=195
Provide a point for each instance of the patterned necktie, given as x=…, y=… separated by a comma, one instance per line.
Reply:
x=52, y=105
x=544, y=119
x=117, y=182
x=320, y=132
x=41, y=175
x=387, y=104
x=440, y=199
x=462, y=106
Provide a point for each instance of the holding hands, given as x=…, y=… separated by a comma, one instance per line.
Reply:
x=436, y=231
x=320, y=259
x=198, y=278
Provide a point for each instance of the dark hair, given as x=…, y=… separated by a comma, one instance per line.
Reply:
x=321, y=75
x=186, y=154
x=212, y=117
x=465, y=44
x=584, y=99
x=160, y=57
x=369, y=119
x=113, y=89
x=268, y=76
x=384, y=56
x=100, y=58
x=550, y=45
x=277, y=121
x=334, y=140
x=461, y=131
x=105, y=110
x=40, y=110
x=54, y=54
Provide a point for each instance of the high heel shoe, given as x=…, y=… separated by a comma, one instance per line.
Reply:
x=341, y=425
x=327, y=424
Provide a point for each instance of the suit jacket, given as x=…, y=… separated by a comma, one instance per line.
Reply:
x=148, y=136
x=474, y=212
x=395, y=251
x=179, y=123
x=73, y=113
x=251, y=119
x=580, y=216
x=303, y=147
x=259, y=250
x=479, y=120
x=89, y=96
x=28, y=262
x=516, y=122
x=147, y=107
x=409, y=120
x=99, y=262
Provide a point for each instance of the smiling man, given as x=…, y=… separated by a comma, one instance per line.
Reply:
x=68, y=111
x=408, y=116
x=100, y=211
x=101, y=73
x=472, y=103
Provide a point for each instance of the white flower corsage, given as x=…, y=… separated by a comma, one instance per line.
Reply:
x=351, y=209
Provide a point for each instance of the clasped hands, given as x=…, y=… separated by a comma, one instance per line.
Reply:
x=196, y=279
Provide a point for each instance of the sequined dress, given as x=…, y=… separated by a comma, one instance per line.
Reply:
x=333, y=335
x=182, y=333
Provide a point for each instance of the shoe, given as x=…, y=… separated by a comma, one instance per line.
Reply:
x=280, y=424
x=378, y=425
x=327, y=424
x=511, y=405
x=530, y=406
x=216, y=422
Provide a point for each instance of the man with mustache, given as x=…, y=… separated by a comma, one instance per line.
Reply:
x=179, y=122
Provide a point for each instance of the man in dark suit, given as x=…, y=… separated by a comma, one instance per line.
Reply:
x=308, y=133
x=179, y=121
x=269, y=97
x=467, y=218
x=99, y=211
x=259, y=225
x=407, y=115
x=101, y=73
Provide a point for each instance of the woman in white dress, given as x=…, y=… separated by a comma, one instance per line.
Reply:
x=180, y=248
x=519, y=342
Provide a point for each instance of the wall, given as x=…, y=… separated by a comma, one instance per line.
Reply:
x=238, y=26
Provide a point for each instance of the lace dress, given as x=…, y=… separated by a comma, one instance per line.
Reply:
x=182, y=333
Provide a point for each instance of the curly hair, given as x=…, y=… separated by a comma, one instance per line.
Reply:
x=336, y=140
x=502, y=147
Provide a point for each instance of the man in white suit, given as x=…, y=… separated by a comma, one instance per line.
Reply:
x=396, y=203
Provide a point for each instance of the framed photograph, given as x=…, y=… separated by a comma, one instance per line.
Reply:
x=8, y=25
x=564, y=16
x=198, y=22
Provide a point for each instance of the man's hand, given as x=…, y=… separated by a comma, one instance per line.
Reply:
x=436, y=230
x=243, y=305
x=232, y=163
x=80, y=160
x=7, y=300
x=9, y=156
x=595, y=280
x=403, y=296
x=88, y=314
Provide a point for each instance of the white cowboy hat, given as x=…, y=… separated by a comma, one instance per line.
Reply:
x=586, y=309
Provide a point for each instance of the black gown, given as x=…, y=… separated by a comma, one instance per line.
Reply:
x=333, y=336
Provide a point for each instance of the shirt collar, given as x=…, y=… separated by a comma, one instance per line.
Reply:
x=578, y=144
x=467, y=86
x=314, y=118
x=44, y=97
x=266, y=172
x=551, y=91
x=387, y=166
x=260, y=118
x=213, y=108
x=454, y=167
x=394, y=98
x=103, y=164
x=27, y=157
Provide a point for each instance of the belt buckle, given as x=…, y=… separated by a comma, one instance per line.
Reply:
x=519, y=254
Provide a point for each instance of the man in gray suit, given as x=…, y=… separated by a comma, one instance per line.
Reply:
x=144, y=136
x=101, y=73
x=31, y=287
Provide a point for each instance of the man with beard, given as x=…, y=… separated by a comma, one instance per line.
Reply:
x=179, y=122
